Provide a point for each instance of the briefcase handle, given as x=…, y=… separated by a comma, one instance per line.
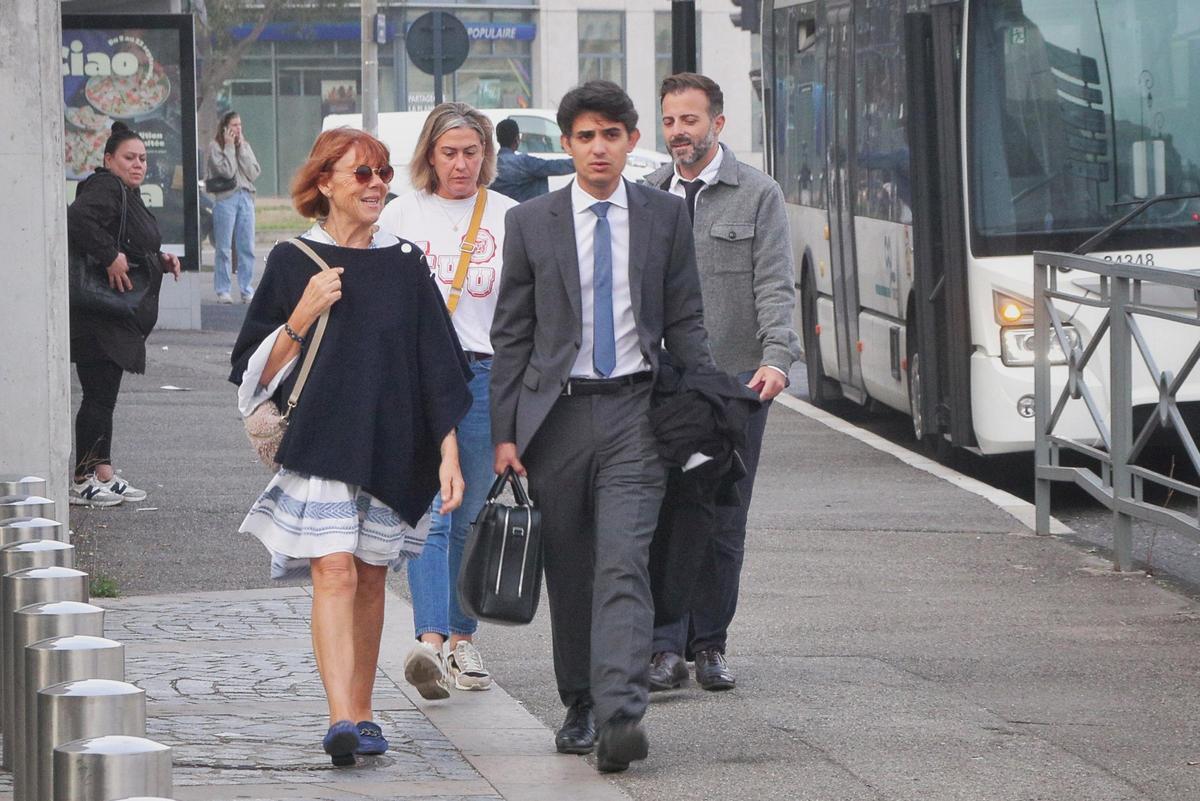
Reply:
x=509, y=476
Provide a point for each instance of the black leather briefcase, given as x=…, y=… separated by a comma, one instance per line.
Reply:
x=500, y=579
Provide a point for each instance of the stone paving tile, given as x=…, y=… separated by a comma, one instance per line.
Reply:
x=231, y=749
x=178, y=677
x=209, y=620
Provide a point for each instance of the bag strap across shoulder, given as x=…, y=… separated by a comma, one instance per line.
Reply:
x=467, y=250
x=322, y=323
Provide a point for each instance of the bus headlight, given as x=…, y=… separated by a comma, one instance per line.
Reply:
x=1017, y=346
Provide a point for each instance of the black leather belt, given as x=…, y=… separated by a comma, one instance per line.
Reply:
x=604, y=386
x=476, y=356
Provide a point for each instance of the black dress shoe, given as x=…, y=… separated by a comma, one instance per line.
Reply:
x=712, y=673
x=622, y=740
x=667, y=671
x=578, y=732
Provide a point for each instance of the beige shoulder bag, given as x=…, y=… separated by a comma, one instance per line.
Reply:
x=266, y=424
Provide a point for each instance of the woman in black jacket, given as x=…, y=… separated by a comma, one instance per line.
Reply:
x=102, y=347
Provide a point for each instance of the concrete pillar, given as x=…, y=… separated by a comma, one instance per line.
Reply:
x=35, y=387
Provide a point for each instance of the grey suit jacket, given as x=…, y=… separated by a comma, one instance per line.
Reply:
x=538, y=327
x=746, y=272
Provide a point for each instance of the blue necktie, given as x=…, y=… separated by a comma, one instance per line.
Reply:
x=604, y=342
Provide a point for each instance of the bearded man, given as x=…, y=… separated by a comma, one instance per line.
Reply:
x=747, y=281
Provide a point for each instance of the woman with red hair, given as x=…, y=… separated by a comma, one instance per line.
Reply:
x=371, y=440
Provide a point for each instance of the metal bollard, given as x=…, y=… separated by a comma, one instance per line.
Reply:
x=74, y=710
x=54, y=661
x=25, y=506
x=17, y=484
x=31, y=624
x=15, y=557
x=110, y=767
x=24, y=529
x=20, y=589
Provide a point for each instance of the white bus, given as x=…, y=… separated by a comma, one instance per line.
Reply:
x=926, y=148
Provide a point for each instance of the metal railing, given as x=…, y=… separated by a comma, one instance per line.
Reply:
x=1120, y=482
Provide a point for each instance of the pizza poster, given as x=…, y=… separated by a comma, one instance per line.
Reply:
x=142, y=76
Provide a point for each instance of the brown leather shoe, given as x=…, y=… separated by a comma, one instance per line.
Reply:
x=667, y=671
x=712, y=672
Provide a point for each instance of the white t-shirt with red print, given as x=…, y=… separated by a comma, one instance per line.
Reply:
x=437, y=226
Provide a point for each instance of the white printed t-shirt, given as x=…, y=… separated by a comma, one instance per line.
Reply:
x=429, y=221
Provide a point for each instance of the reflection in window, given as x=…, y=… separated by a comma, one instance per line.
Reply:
x=882, y=180
x=799, y=98
x=602, y=46
x=1065, y=139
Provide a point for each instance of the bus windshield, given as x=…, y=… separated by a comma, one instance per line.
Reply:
x=1077, y=110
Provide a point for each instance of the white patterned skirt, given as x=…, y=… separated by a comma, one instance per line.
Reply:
x=301, y=517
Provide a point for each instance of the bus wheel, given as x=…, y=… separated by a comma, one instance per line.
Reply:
x=916, y=398
x=933, y=443
x=819, y=392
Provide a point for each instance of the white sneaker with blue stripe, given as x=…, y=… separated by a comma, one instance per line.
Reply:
x=118, y=486
x=92, y=492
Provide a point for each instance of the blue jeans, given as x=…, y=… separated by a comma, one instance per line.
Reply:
x=233, y=227
x=433, y=577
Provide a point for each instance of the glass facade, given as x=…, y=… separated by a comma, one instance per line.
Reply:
x=602, y=46
x=292, y=78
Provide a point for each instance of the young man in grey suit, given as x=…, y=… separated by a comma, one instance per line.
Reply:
x=748, y=281
x=597, y=276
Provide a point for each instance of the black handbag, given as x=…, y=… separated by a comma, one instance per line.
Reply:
x=216, y=184
x=500, y=579
x=88, y=280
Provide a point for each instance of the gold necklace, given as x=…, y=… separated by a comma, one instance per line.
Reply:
x=437, y=199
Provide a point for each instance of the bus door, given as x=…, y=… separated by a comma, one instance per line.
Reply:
x=840, y=125
x=941, y=324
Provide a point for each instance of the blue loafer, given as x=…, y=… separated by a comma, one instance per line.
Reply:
x=371, y=741
x=341, y=741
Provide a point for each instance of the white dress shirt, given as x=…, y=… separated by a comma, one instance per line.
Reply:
x=708, y=175
x=629, y=351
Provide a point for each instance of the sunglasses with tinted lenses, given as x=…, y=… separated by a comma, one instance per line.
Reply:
x=362, y=173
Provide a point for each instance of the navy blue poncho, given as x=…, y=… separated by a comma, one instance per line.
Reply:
x=389, y=380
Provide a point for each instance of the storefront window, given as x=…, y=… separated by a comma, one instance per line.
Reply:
x=602, y=46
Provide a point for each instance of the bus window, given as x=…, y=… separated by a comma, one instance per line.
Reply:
x=1077, y=111
x=799, y=49
x=883, y=188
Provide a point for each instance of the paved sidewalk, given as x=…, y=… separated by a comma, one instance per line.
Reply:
x=232, y=687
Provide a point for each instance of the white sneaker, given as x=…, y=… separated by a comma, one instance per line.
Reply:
x=424, y=669
x=91, y=492
x=466, y=666
x=248, y=296
x=123, y=488
x=224, y=297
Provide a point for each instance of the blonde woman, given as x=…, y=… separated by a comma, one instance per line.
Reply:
x=454, y=158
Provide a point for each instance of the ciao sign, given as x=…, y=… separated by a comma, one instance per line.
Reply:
x=75, y=61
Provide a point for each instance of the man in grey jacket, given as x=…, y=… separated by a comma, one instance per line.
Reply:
x=747, y=280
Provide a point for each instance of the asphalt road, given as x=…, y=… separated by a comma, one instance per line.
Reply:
x=1157, y=550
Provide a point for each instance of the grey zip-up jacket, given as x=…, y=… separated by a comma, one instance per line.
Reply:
x=747, y=275
x=230, y=162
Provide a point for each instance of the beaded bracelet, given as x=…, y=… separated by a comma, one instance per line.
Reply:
x=287, y=329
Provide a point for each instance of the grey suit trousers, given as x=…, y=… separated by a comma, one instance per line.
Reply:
x=595, y=474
